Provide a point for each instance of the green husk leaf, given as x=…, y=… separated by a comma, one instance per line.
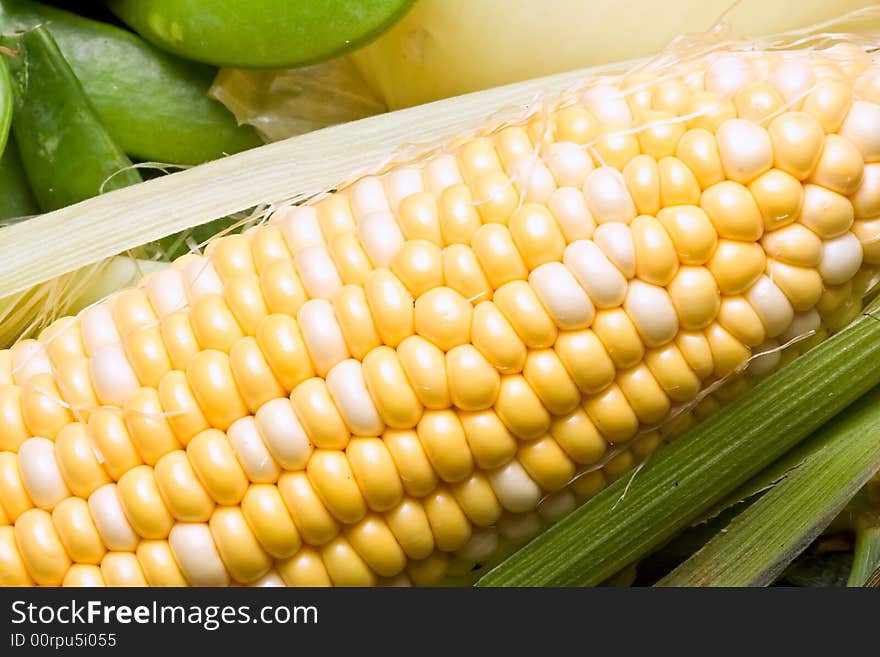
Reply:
x=637, y=514
x=769, y=477
x=760, y=542
x=866, y=558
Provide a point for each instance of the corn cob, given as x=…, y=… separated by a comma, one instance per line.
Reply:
x=384, y=385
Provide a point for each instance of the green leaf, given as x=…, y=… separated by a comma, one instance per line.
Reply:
x=760, y=542
x=639, y=513
x=6, y=103
x=766, y=479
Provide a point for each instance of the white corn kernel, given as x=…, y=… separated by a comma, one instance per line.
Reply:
x=317, y=272
x=40, y=473
x=515, y=489
x=283, y=434
x=349, y=391
x=601, y=279
x=196, y=554
x=113, y=526
x=616, y=241
x=251, y=452
x=322, y=334
x=565, y=300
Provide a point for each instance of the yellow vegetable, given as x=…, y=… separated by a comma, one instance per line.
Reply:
x=444, y=48
x=386, y=384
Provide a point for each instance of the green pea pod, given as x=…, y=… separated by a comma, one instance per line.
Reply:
x=5, y=102
x=16, y=198
x=67, y=153
x=154, y=105
x=259, y=33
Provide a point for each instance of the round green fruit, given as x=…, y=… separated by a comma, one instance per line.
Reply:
x=259, y=33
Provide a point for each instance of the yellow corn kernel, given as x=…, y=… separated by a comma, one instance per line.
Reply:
x=319, y=415
x=547, y=463
x=619, y=335
x=267, y=516
x=458, y=216
x=462, y=272
x=330, y=474
x=495, y=197
x=305, y=568
x=645, y=396
x=419, y=219
x=739, y=318
x=736, y=265
x=13, y=431
x=374, y=470
x=315, y=523
x=733, y=211
x=83, y=575
x=238, y=547
x=395, y=400
x=612, y=414
x=448, y=522
x=728, y=353
x=643, y=182
x=246, y=301
x=77, y=461
x=412, y=462
x=148, y=426
x=498, y=256
x=520, y=408
x=142, y=503
x=586, y=359
x=477, y=499
x=494, y=337
x=490, y=442
x=352, y=263
x=577, y=435
x=549, y=379
x=656, y=259
x=213, y=323
x=282, y=288
x=215, y=464
x=443, y=317
x=678, y=185
x=14, y=571
x=443, y=438
x=344, y=566
x=691, y=232
x=40, y=547
x=180, y=340
x=391, y=305
x=425, y=367
x=77, y=531
x=473, y=382
x=353, y=314
x=519, y=304
x=374, y=541
x=43, y=408
x=213, y=385
x=122, y=569
x=113, y=442
x=576, y=124
x=698, y=150
x=157, y=563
